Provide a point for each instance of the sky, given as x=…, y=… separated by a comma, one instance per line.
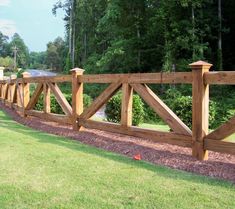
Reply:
x=32, y=20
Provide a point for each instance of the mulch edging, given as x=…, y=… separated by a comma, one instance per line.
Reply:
x=221, y=166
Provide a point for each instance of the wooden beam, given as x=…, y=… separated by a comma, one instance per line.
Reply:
x=165, y=78
x=50, y=116
x=26, y=92
x=162, y=109
x=127, y=100
x=101, y=100
x=33, y=101
x=77, y=97
x=220, y=146
x=46, y=98
x=225, y=77
x=61, y=99
x=156, y=136
x=223, y=131
x=48, y=79
x=200, y=107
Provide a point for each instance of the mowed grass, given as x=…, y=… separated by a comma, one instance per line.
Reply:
x=38, y=170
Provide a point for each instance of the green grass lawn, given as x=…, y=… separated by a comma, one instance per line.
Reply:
x=38, y=170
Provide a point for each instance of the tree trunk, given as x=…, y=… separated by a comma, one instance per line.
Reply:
x=219, y=53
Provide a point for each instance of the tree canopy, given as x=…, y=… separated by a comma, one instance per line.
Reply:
x=148, y=35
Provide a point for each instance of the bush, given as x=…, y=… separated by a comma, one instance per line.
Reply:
x=55, y=107
x=182, y=107
x=113, y=109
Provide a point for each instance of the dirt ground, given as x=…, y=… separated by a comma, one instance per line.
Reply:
x=221, y=166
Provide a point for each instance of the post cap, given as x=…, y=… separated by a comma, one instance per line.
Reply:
x=77, y=70
x=200, y=63
x=26, y=74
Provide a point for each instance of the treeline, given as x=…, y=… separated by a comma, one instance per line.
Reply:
x=148, y=35
x=15, y=54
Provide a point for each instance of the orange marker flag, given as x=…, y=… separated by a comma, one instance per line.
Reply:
x=137, y=157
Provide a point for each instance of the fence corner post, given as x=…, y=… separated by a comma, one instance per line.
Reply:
x=77, y=97
x=200, y=109
x=25, y=92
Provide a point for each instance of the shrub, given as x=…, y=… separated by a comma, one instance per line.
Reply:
x=182, y=107
x=113, y=109
x=55, y=107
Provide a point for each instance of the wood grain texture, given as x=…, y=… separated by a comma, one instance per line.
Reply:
x=162, y=109
x=34, y=99
x=77, y=97
x=127, y=102
x=220, y=146
x=200, y=109
x=101, y=100
x=46, y=98
x=156, y=136
x=60, y=99
x=223, y=131
x=178, y=77
x=225, y=77
x=50, y=116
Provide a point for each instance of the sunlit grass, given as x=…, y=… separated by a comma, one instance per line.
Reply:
x=39, y=170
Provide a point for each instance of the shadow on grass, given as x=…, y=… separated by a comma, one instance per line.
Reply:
x=98, y=140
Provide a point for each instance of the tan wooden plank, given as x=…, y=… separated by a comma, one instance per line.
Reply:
x=223, y=131
x=152, y=135
x=61, y=99
x=46, y=98
x=35, y=97
x=19, y=95
x=220, y=146
x=162, y=109
x=224, y=77
x=48, y=79
x=178, y=77
x=200, y=108
x=77, y=97
x=50, y=116
x=101, y=100
x=127, y=101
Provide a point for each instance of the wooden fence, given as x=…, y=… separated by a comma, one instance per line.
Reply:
x=15, y=93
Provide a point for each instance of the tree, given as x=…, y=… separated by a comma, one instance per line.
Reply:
x=4, y=48
x=55, y=55
x=22, y=50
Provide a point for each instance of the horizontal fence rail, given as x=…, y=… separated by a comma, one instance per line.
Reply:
x=15, y=93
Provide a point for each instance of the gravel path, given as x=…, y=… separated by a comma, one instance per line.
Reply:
x=221, y=166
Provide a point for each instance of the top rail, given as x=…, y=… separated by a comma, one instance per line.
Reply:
x=165, y=78
x=224, y=77
x=220, y=78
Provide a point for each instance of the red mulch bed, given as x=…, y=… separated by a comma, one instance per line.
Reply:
x=221, y=166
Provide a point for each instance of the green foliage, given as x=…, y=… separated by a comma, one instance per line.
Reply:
x=7, y=62
x=37, y=60
x=19, y=74
x=22, y=51
x=55, y=107
x=56, y=55
x=113, y=109
x=182, y=107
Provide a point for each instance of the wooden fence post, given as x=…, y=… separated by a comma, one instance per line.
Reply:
x=77, y=97
x=46, y=98
x=200, y=109
x=127, y=100
x=12, y=90
x=25, y=92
